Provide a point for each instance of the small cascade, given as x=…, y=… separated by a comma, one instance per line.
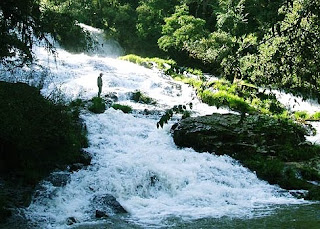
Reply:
x=101, y=46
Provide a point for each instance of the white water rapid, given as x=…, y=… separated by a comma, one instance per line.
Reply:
x=136, y=162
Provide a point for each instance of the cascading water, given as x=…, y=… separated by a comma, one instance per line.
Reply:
x=137, y=163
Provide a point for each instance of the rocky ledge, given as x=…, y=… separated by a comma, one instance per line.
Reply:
x=275, y=149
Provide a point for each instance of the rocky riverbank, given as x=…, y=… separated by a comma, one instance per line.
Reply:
x=275, y=149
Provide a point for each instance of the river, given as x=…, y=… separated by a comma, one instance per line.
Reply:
x=159, y=184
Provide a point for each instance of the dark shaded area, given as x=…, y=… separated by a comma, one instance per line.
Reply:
x=36, y=137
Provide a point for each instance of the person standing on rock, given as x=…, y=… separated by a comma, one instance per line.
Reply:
x=99, y=82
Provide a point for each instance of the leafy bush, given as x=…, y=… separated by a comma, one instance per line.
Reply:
x=276, y=172
x=124, y=108
x=98, y=105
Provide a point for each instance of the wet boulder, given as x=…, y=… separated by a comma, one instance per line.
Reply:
x=101, y=214
x=59, y=179
x=85, y=157
x=108, y=204
x=75, y=167
x=71, y=220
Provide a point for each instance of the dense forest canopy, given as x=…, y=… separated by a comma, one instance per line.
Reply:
x=269, y=43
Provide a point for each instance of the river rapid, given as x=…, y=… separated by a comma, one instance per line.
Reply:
x=159, y=185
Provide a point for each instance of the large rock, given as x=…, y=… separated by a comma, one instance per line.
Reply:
x=275, y=149
x=108, y=204
x=224, y=134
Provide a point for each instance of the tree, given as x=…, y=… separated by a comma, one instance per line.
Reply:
x=20, y=25
x=150, y=18
x=289, y=54
x=181, y=28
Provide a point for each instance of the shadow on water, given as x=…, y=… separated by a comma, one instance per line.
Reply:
x=293, y=217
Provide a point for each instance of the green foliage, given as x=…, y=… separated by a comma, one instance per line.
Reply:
x=163, y=64
x=181, y=28
x=268, y=43
x=136, y=59
x=195, y=71
x=36, y=135
x=62, y=24
x=316, y=116
x=97, y=106
x=150, y=17
x=139, y=97
x=20, y=22
x=314, y=194
x=238, y=96
x=287, y=176
x=177, y=109
x=123, y=108
x=232, y=17
x=301, y=115
x=77, y=103
x=189, y=80
x=270, y=170
x=305, y=115
x=288, y=57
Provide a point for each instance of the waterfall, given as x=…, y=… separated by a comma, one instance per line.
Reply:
x=134, y=161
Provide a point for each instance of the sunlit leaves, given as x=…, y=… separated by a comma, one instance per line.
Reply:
x=180, y=29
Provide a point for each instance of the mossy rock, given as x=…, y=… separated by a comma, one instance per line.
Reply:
x=123, y=108
x=139, y=97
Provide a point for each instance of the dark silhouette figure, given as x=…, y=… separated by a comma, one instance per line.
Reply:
x=99, y=82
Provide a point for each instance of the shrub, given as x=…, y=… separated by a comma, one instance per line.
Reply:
x=193, y=82
x=177, y=109
x=123, y=108
x=98, y=105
